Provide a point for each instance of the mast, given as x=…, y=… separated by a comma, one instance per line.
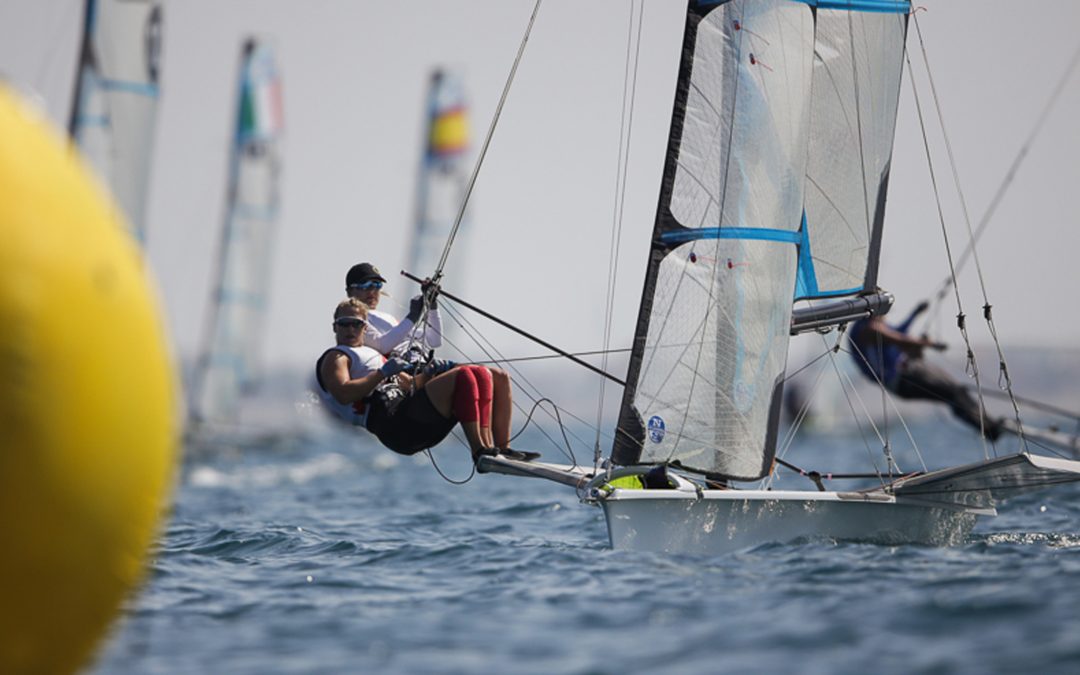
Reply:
x=227, y=366
x=756, y=209
x=116, y=96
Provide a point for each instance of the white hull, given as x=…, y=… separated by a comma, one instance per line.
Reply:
x=721, y=521
x=938, y=508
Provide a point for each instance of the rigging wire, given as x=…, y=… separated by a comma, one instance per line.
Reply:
x=1004, y=380
x=428, y=290
x=972, y=363
x=493, y=353
x=618, y=209
x=892, y=402
x=487, y=142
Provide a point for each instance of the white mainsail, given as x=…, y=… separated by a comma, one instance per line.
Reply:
x=443, y=173
x=709, y=356
x=116, y=98
x=774, y=188
x=228, y=363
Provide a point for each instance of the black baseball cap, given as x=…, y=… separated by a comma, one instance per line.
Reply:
x=358, y=274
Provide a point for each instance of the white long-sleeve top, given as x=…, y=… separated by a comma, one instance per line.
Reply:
x=387, y=335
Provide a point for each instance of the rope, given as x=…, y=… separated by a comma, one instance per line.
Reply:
x=448, y=479
x=569, y=451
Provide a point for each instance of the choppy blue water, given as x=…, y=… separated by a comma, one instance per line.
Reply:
x=318, y=557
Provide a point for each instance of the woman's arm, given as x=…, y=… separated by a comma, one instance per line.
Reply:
x=336, y=379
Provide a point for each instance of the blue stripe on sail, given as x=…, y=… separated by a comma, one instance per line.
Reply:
x=760, y=233
x=806, y=278
x=141, y=88
x=883, y=6
x=806, y=284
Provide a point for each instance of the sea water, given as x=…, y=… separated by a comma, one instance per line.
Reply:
x=314, y=554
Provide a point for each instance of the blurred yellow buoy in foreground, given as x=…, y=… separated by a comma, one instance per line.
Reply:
x=88, y=423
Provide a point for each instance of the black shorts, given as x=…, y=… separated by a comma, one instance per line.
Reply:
x=414, y=425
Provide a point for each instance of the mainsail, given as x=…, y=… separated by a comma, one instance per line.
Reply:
x=443, y=173
x=116, y=98
x=227, y=365
x=773, y=188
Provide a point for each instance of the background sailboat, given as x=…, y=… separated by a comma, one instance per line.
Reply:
x=443, y=174
x=774, y=187
x=116, y=98
x=228, y=365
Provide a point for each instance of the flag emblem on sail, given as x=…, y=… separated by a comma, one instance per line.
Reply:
x=731, y=246
x=443, y=173
x=261, y=115
x=450, y=133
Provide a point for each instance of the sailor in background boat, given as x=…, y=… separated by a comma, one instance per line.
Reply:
x=409, y=413
x=887, y=354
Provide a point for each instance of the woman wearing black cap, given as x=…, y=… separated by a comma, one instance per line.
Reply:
x=384, y=333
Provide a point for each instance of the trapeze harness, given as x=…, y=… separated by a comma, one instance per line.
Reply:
x=362, y=360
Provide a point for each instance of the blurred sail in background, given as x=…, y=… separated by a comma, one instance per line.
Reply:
x=228, y=365
x=116, y=98
x=443, y=173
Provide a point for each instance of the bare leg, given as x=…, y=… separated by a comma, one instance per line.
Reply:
x=502, y=408
x=440, y=390
x=474, y=436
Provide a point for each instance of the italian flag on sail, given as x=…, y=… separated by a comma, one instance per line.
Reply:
x=261, y=111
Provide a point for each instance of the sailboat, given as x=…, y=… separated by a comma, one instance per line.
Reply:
x=228, y=365
x=116, y=97
x=773, y=191
x=443, y=173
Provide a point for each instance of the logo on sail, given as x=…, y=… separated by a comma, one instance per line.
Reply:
x=656, y=429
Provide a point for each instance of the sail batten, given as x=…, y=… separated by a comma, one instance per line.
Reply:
x=755, y=211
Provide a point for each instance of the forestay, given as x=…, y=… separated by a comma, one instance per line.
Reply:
x=116, y=97
x=228, y=363
x=736, y=235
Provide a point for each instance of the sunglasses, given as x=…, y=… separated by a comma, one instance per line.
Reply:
x=349, y=322
x=367, y=285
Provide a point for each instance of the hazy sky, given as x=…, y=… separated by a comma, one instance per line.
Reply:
x=354, y=78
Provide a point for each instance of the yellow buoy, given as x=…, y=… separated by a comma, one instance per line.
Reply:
x=88, y=419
